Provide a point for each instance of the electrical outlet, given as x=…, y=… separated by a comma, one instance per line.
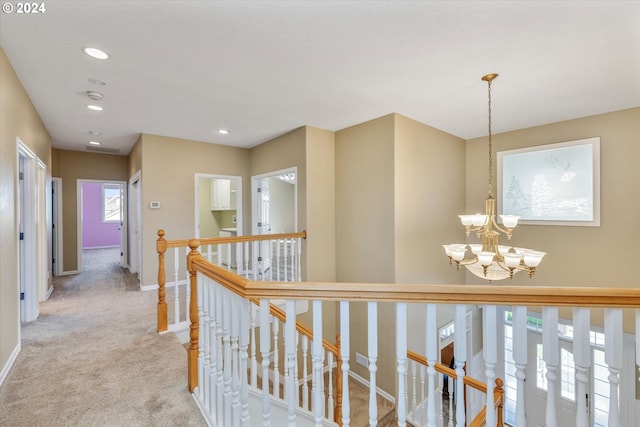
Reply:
x=362, y=359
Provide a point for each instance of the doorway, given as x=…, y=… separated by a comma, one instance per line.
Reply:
x=218, y=210
x=101, y=217
x=274, y=208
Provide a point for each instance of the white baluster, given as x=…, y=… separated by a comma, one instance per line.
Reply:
x=220, y=354
x=330, y=400
x=276, y=358
x=372, y=312
x=254, y=263
x=176, y=278
x=414, y=380
x=296, y=387
x=305, y=380
x=316, y=351
x=582, y=360
x=252, y=344
x=246, y=259
x=244, y=343
x=290, y=348
x=299, y=261
x=460, y=356
x=211, y=380
x=287, y=275
x=401, y=360
x=551, y=355
x=450, y=388
x=187, y=290
x=519, y=337
x=205, y=369
x=200, y=302
x=431, y=346
x=344, y=353
x=227, y=362
x=235, y=355
x=423, y=374
x=613, y=357
x=490, y=353
x=638, y=340
x=265, y=347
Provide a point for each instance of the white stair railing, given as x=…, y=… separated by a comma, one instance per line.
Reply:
x=267, y=257
x=229, y=350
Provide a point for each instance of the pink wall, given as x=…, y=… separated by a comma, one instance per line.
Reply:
x=95, y=233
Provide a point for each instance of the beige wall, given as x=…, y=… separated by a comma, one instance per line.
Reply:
x=168, y=168
x=390, y=206
x=135, y=158
x=72, y=166
x=577, y=256
x=18, y=119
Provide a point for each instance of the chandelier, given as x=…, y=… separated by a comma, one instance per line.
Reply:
x=490, y=260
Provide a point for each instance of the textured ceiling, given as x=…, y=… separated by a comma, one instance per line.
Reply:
x=260, y=69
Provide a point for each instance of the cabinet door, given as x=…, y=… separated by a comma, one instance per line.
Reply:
x=220, y=194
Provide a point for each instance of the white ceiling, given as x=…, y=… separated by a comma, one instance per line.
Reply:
x=262, y=68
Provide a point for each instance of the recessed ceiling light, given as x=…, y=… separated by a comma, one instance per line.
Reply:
x=94, y=107
x=223, y=131
x=94, y=143
x=95, y=53
x=97, y=82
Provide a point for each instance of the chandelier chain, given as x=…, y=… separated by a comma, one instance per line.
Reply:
x=490, y=149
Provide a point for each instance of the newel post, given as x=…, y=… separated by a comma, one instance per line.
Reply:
x=499, y=397
x=337, y=412
x=161, y=246
x=192, y=353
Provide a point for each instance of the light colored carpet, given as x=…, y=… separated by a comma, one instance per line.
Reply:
x=93, y=357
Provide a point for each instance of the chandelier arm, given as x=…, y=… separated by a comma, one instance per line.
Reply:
x=501, y=229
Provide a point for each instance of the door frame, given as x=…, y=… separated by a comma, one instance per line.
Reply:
x=255, y=202
x=27, y=251
x=56, y=220
x=79, y=182
x=134, y=225
x=196, y=197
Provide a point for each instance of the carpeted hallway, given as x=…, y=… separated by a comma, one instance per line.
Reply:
x=93, y=357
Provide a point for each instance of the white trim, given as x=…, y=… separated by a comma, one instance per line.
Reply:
x=69, y=272
x=145, y=288
x=100, y=247
x=7, y=366
x=58, y=250
x=133, y=253
x=366, y=383
x=49, y=292
x=30, y=278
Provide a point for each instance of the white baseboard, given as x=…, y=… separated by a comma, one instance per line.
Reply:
x=166, y=286
x=7, y=367
x=49, y=292
x=69, y=272
x=100, y=247
x=366, y=383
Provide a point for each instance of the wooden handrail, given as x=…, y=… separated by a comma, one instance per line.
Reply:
x=425, y=293
x=162, y=245
x=498, y=393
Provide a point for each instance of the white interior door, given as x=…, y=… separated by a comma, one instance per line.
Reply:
x=123, y=226
x=133, y=224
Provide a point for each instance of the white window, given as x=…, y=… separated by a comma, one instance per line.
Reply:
x=568, y=375
x=111, y=203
